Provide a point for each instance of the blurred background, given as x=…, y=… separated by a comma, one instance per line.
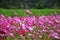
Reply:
x=37, y=7
x=30, y=4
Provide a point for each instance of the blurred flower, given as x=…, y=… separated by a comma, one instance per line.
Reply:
x=58, y=30
x=32, y=35
x=11, y=34
x=54, y=35
x=30, y=28
x=40, y=32
x=28, y=11
x=22, y=32
x=40, y=36
x=30, y=24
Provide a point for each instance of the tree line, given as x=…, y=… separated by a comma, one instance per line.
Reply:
x=27, y=4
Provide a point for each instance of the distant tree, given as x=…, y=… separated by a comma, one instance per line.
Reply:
x=26, y=4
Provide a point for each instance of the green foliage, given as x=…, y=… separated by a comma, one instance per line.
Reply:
x=21, y=12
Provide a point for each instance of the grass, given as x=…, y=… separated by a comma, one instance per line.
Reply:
x=21, y=12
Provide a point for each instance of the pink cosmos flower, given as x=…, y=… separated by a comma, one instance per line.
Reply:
x=4, y=24
x=40, y=32
x=26, y=31
x=41, y=20
x=2, y=16
x=22, y=25
x=11, y=34
x=10, y=20
x=58, y=30
x=28, y=11
x=54, y=35
x=32, y=35
x=22, y=32
x=40, y=36
x=21, y=18
x=30, y=28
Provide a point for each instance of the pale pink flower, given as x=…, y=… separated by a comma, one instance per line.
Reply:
x=28, y=11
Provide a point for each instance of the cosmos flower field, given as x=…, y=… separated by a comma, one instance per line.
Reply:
x=30, y=27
